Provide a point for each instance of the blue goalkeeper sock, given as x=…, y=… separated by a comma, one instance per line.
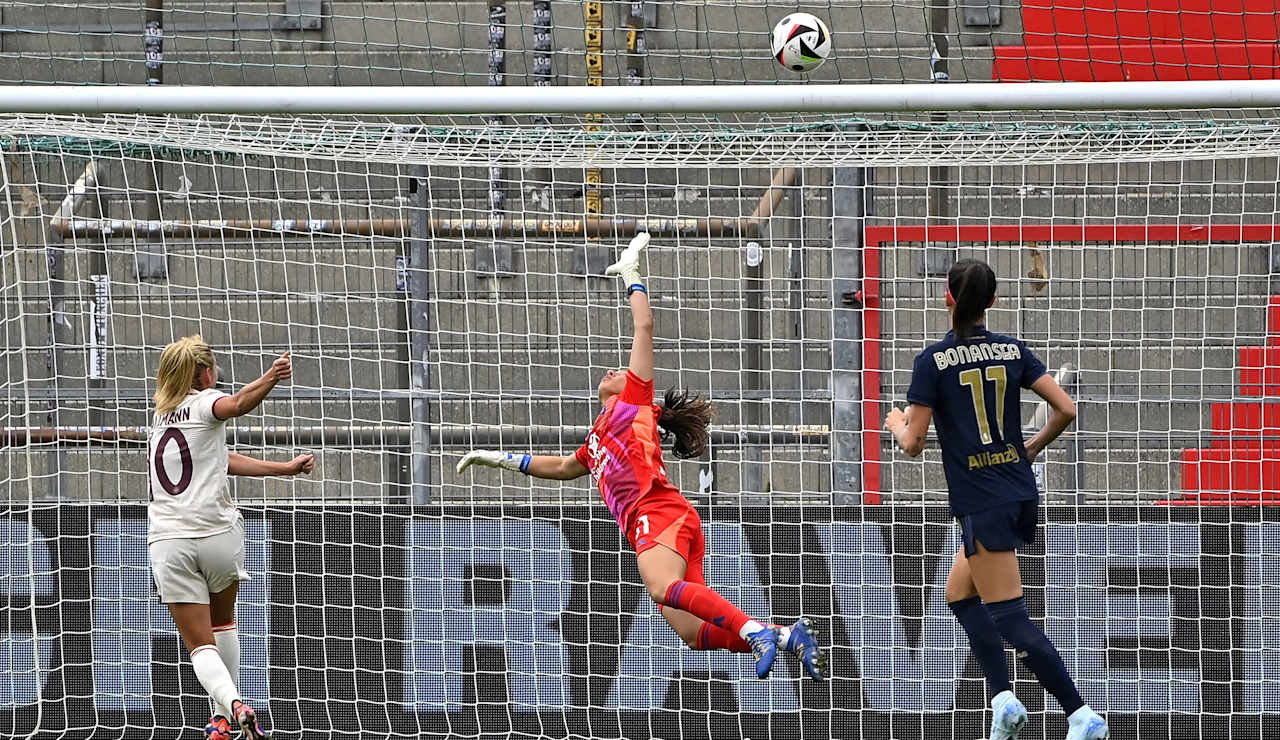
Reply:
x=984, y=640
x=1036, y=652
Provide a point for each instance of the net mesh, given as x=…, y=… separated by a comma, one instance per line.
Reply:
x=394, y=597
x=716, y=142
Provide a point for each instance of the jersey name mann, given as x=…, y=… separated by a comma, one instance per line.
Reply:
x=187, y=472
x=974, y=387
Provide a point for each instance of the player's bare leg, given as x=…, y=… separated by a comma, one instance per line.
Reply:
x=995, y=575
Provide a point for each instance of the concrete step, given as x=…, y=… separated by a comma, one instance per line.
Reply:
x=352, y=26
x=1172, y=367
x=1224, y=283
x=108, y=476
x=1216, y=320
x=1118, y=473
x=1162, y=423
x=1181, y=192
x=127, y=367
x=328, y=65
x=1149, y=269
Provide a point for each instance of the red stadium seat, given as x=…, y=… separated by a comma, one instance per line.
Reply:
x=1119, y=40
x=1241, y=465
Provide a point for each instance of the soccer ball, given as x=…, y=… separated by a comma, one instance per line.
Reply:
x=801, y=42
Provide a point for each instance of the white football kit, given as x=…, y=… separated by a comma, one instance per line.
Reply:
x=195, y=534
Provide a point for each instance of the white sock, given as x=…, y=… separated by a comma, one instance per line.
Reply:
x=227, y=638
x=784, y=634
x=213, y=675
x=750, y=628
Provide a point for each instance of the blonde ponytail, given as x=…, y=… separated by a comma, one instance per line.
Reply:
x=176, y=375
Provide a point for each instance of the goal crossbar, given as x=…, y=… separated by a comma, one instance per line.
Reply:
x=445, y=100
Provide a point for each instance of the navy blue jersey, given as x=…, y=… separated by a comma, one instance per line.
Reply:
x=975, y=387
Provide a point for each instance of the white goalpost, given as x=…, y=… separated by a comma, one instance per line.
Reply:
x=847, y=98
x=800, y=239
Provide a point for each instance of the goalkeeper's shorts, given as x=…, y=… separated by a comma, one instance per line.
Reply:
x=666, y=518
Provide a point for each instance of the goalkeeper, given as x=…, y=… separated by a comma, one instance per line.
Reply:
x=623, y=454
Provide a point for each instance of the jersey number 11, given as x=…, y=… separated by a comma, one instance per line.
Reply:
x=973, y=378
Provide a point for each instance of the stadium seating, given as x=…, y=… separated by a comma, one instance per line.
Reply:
x=1242, y=463
x=1123, y=40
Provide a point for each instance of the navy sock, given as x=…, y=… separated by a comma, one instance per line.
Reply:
x=984, y=640
x=1036, y=652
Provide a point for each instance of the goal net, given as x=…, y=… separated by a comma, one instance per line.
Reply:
x=438, y=281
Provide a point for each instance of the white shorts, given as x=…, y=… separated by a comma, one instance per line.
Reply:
x=186, y=570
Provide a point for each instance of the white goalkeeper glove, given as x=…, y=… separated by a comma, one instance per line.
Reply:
x=628, y=264
x=495, y=459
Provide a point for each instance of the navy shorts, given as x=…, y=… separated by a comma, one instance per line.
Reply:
x=1008, y=526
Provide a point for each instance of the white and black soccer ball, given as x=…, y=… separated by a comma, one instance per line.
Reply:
x=801, y=42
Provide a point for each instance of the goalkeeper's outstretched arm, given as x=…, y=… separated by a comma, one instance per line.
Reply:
x=553, y=467
x=628, y=268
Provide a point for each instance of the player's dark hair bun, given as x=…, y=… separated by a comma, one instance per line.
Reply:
x=972, y=284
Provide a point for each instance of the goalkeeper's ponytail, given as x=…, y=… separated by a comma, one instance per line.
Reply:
x=687, y=418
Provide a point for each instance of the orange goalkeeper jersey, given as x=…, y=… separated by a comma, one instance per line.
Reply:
x=623, y=450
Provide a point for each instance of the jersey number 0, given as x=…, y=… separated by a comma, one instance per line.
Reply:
x=973, y=378
x=173, y=434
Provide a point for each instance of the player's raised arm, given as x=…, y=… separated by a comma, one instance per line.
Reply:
x=552, y=467
x=1062, y=411
x=628, y=268
x=247, y=398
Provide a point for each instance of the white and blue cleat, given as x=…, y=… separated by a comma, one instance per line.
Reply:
x=1007, y=716
x=764, y=646
x=803, y=643
x=1086, y=724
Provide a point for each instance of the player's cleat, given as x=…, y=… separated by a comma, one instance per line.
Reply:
x=1007, y=716
x=764, y=646
x=1085, y=724
x=248, y=721
x=218, y=728
x=803, y=643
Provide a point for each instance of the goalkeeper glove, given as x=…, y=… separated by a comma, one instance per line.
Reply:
x=628, y=264
x=495, y=459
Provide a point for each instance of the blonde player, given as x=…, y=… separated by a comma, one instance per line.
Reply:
x=195, y=533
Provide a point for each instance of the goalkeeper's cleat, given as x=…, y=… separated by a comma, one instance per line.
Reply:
x=1007, y=716
x=1085, y=724
x=803, y=643
x=764, y=646
x=248, y=721
x=218, y=728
